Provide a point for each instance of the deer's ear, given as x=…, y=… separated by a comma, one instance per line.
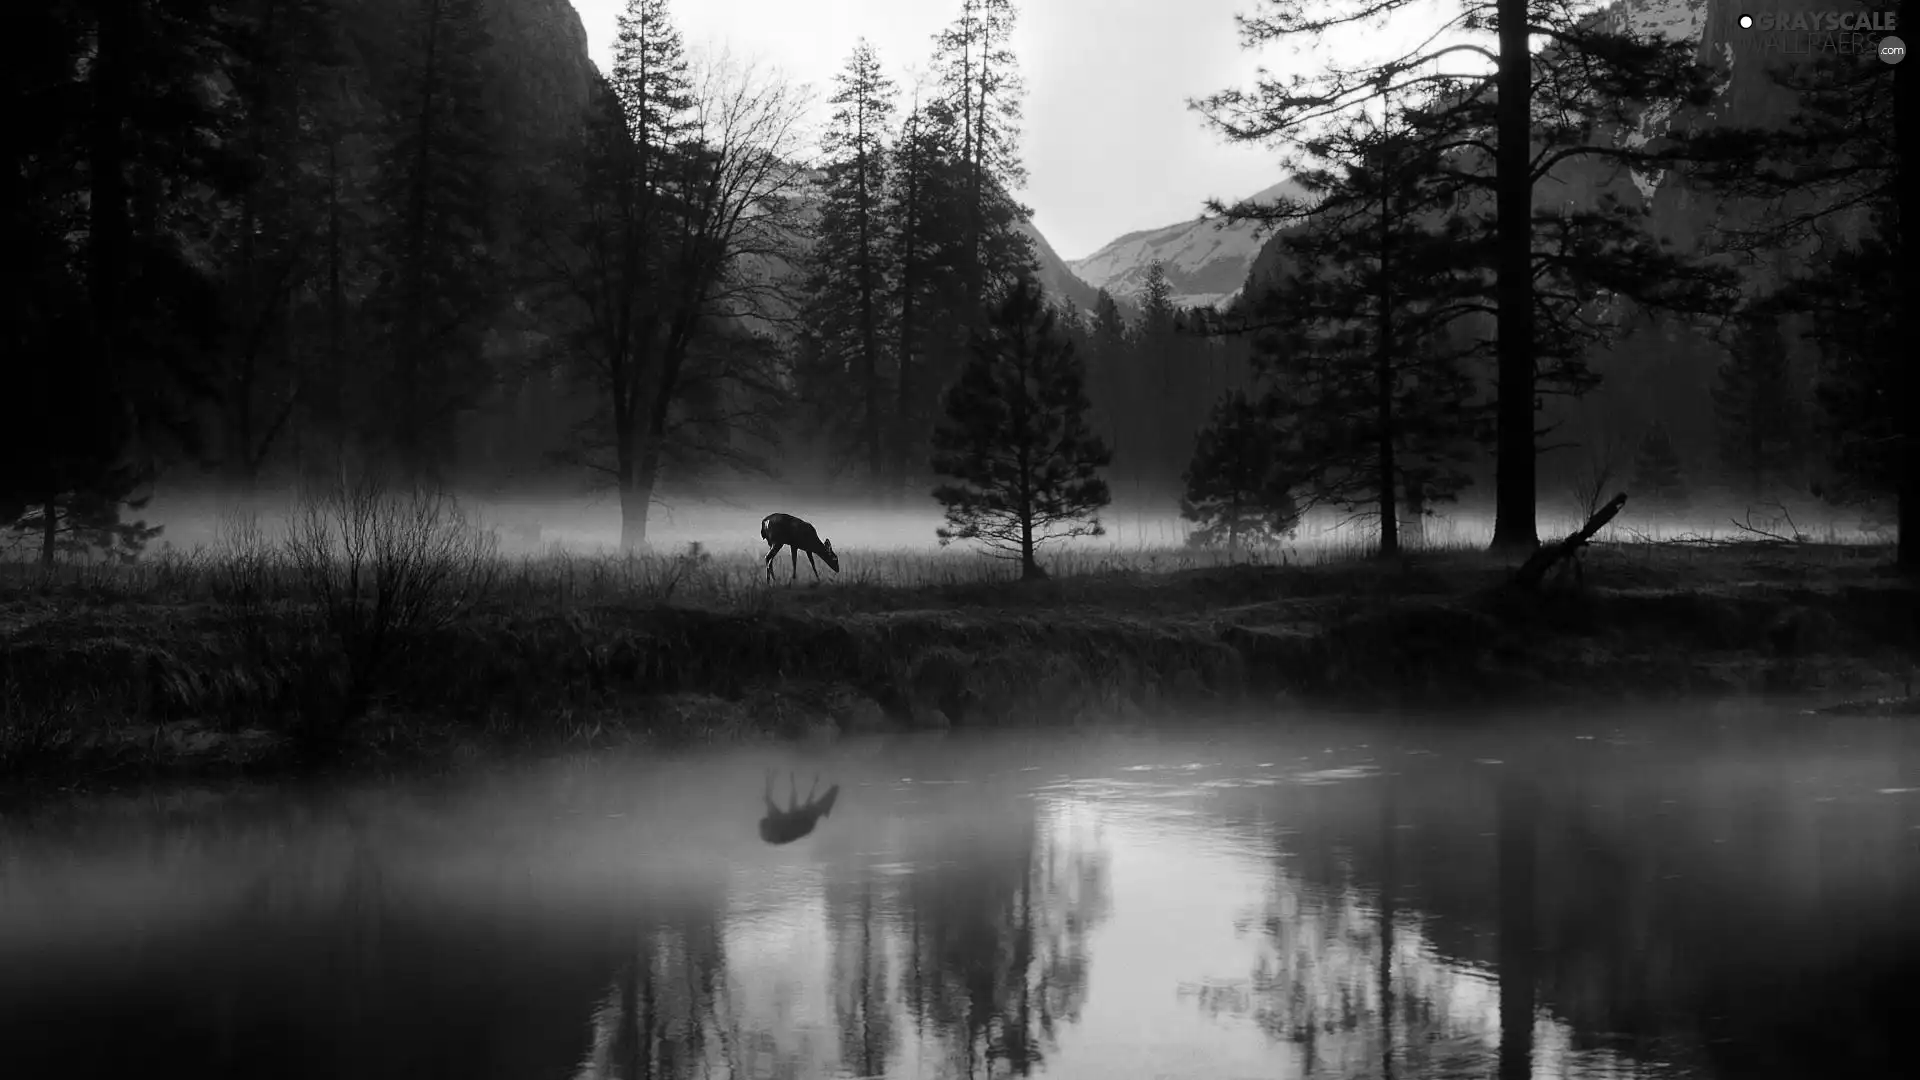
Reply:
x=828, y=544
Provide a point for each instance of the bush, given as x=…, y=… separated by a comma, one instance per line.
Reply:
x=381, y=571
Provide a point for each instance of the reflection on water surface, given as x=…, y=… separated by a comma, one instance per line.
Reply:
x=1687, y=898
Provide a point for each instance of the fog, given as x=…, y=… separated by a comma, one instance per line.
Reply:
x=589, y=523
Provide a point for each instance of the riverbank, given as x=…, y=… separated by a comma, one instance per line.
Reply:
x=106, y=681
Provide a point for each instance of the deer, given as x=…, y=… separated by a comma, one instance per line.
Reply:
x=797, y=536
x=798, y=819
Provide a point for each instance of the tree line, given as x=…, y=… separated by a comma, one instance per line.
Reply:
x=266, y=236
x=1428, y=303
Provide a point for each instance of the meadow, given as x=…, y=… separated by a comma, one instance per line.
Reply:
x=362, y=629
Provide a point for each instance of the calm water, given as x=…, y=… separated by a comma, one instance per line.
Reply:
x=1694, y=895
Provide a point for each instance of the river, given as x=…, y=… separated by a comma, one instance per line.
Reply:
x=1706, y=893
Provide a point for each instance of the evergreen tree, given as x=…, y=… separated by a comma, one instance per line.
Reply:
x=1378, y=393
x=441, y=281
x=924, y=200
x=1016, y=440
x=1657, y=471
x=848, y=325
x=981, y=86
x=1851, y=304
x=1761, y=439
x=1239, y=486
x=118, y=164
x=1540, y=108
x=1106, y=364
x=1833, y=174
x=285, y=55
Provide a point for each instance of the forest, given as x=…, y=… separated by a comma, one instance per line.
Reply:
x=266, y=241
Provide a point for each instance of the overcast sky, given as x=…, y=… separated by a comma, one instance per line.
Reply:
x=1109, y=143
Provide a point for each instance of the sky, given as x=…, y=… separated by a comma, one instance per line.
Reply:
x=1109, y=144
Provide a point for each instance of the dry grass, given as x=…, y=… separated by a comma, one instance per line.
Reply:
x=372, y=618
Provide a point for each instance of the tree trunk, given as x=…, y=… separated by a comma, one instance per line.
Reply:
x=636, y=498
x=1906, y=110
x=1383, y=382
x=49, y=529
x=1514, y=476
x=1029, y=567
x=1415, y=485
x=903, y=403
x=1389, y=836
x=1515, y=830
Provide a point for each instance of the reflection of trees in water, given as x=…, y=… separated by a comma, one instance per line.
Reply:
x=984, y=950
x=863, y=991
x=1353, y=982
x=1728, y=915
x=669, y=1013
x=997, y=946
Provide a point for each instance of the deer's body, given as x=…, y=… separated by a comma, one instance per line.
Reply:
x=797, y=536
x=798, y=819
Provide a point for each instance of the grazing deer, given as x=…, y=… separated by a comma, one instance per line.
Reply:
x=798, y=819
x=798, y=536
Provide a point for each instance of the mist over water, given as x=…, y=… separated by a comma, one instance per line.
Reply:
x=1703, y=894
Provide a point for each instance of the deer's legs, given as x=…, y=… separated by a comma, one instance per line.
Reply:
x=814, y=789
x=816, y=566
x=771, y=552
x=795, y=552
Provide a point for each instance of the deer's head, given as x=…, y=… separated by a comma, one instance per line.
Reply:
x=826, y=553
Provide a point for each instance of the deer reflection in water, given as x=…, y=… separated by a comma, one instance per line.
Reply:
x=798, y=819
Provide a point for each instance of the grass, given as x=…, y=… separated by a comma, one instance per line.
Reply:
x=388, y=630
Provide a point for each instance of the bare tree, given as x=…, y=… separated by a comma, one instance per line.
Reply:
x=680, y=266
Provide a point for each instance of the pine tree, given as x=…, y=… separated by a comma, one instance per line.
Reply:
x=981, y=87
x=1151, y=371
x=441, y=280
x=1591, y=82
x=1657, y=472
x=1239, y=488
x=1106, y=362
x=923, y=203
x=848, y=324
x=1851, y=305
x=118, y=164
x=1016, y=441
x=1834, y=173
x=285, y=53
x=1761, y=439
x=1376, y=389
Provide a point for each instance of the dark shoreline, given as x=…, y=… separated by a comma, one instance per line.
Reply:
x=111, y=692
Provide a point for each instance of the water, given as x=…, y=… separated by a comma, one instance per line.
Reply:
x=1677, y=896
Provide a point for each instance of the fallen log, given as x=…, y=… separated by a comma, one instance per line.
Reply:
x=1534, y=570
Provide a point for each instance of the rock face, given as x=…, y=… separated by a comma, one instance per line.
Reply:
x=543, y=71
x=1206, y=262
x=1057, y=277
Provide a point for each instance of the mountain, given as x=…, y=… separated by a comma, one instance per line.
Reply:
x=1057, y=277
x=1206, y=261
